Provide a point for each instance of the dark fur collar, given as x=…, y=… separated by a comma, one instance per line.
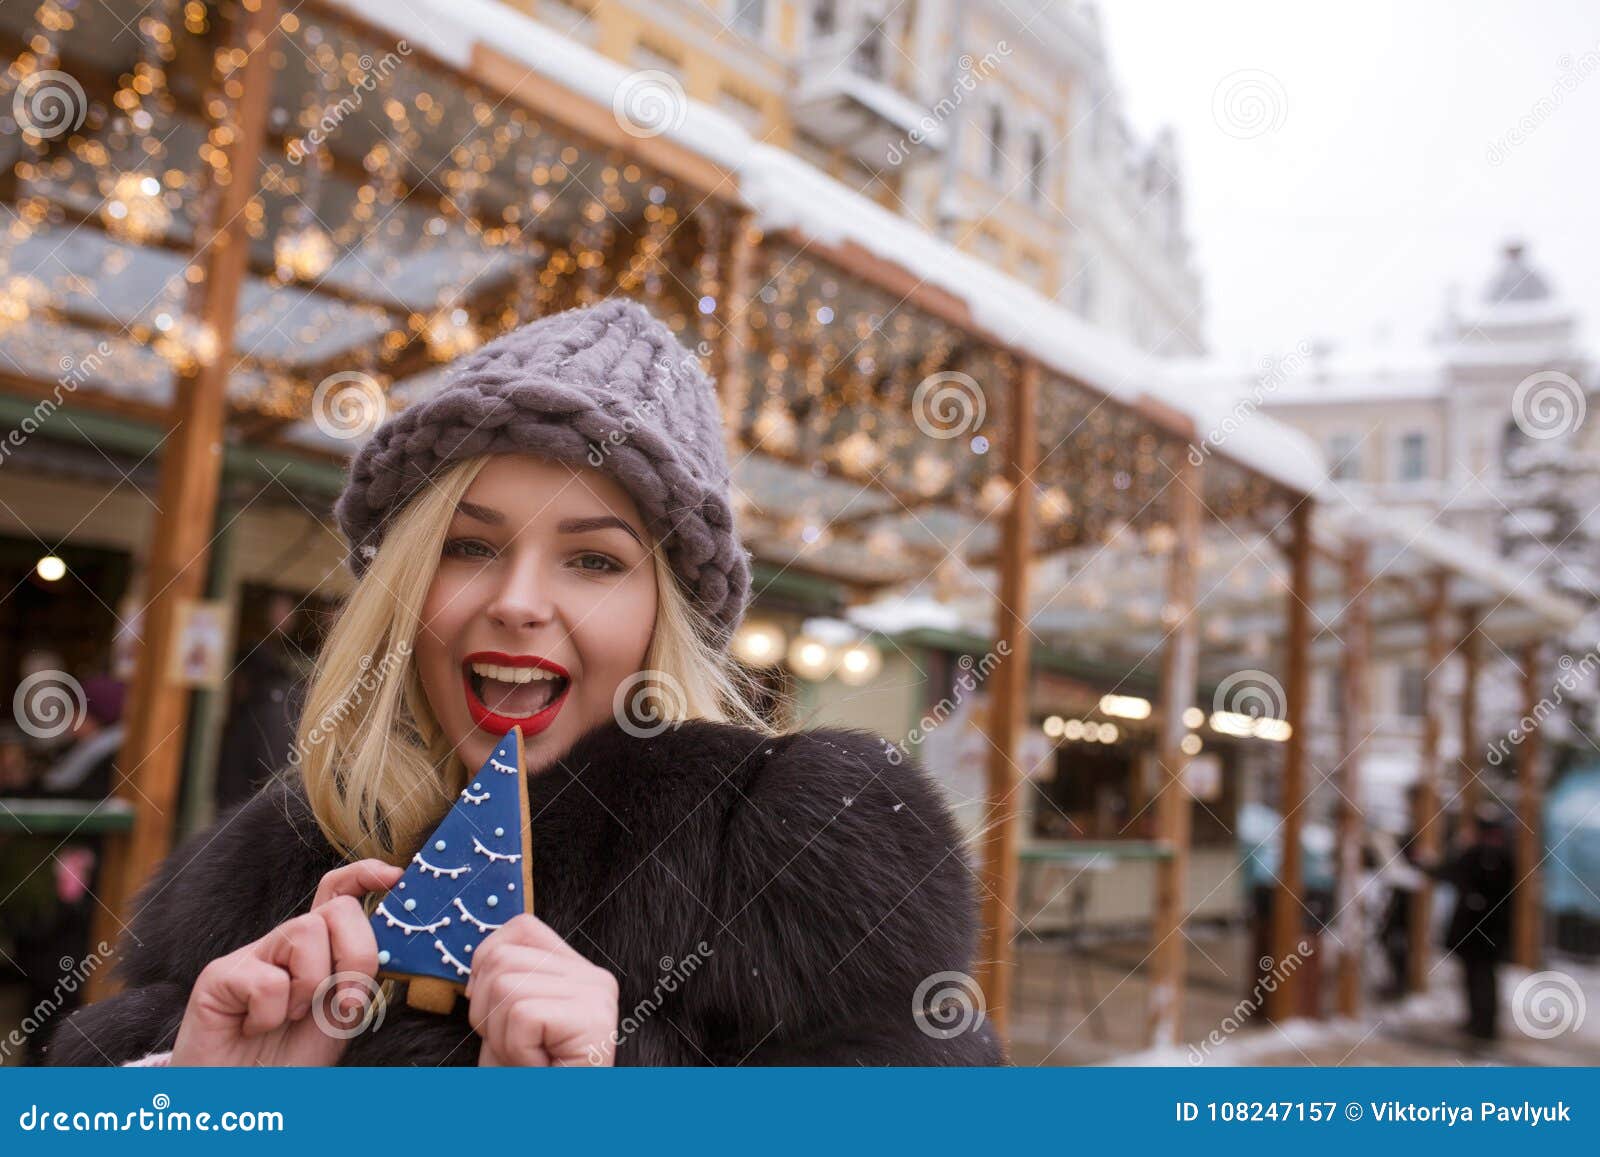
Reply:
x=760, y=900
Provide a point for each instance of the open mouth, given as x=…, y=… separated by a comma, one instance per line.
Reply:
x=505, y=691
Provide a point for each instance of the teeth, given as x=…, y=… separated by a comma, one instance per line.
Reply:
x=512, y=674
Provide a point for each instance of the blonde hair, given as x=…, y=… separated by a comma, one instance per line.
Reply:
x=378, y=770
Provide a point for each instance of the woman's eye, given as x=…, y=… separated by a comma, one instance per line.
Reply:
x=600, y=564
x=467, y=548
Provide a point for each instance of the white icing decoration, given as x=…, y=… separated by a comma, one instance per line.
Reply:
x=509, y=857
x=493, y=901
x=480, y=925
x=395, y=922
x=438, y=845
x=427, y=867
x=511, y=887
x=461, y=969
x=411, y=905
x=507, y=768
x=499, y=831
x=468, y=797
x=383, y=956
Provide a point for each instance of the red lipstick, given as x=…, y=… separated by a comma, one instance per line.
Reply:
x=497, y=724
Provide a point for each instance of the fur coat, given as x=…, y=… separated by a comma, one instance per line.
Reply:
x=772, y=901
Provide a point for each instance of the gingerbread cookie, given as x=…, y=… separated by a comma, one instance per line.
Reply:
x=470, y=876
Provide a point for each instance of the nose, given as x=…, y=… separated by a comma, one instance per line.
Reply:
x=522, y=600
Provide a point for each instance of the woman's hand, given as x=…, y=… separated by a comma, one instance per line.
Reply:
x=535, y=1001
x=253, y=1006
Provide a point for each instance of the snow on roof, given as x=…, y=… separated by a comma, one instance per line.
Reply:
x=1426, y=545
x=785, y=191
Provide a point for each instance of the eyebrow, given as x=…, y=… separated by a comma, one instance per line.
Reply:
x=492, y=517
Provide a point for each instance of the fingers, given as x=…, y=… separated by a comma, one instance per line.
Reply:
x=536, y=1001
x=352, y=944
x=357, y=880
x=300, y=947
x=524, y=932
x=245, y=989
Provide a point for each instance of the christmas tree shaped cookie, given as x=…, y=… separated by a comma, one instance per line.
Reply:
x=469, y=877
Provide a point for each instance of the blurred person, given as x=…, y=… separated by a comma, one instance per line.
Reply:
x=84, y=770
x=1479, y=932
x=57, y=876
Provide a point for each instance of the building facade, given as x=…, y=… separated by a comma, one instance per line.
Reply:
x=995, y=124
x=1434, y=435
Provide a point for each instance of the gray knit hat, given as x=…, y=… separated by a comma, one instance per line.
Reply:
x=608, y=387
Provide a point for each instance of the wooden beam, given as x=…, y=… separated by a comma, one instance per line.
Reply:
x=1427, y=826
x=1008, y=688
x=1527, y=933
x=598, y=125
x=191, y=465
x=1354, y=719
x=731, y=360
x=1288, y=909
x=1180, y=664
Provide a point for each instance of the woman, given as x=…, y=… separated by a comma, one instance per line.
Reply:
x=548, y=542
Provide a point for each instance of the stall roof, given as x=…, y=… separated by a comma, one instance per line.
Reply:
x=788, y=193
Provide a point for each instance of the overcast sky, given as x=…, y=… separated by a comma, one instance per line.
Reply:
x=1379, y=163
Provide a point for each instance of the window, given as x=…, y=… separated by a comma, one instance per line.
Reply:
x=997, y=142
x=750, y=17
x=1411, y=697
x=1036, y=166
x=659, y=57
x=1413, y=465
x=871, y=56
x=824, y=18
x=1344, y=464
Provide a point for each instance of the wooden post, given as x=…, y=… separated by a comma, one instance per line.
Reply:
x=1354, y=720
x=1288, y=910
x=1471, y=758
x=731, y=360
x=1427, y=825
x=191, y=465
x=1007, y=700
x=1180, y=662
x=1527, y=901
